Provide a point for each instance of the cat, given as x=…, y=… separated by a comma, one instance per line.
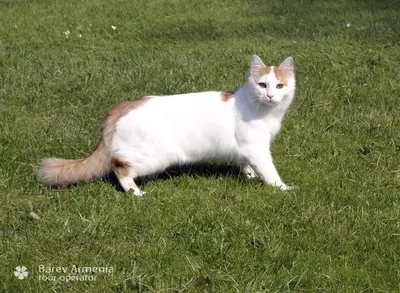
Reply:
x=147, y=135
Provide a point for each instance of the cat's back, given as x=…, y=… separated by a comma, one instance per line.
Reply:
x=188, y=101
x=181, y=107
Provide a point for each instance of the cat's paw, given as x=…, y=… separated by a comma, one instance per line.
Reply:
x=251, y=175
x=138, y=193
x=249, y=172
x=285, y=187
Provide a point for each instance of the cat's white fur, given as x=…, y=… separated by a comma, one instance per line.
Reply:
x=180, y=129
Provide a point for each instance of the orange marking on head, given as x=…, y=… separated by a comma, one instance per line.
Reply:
x=263, y=71
x=281, y=75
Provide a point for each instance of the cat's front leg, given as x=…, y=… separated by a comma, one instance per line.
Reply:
x=266, y=170
x=261, y=162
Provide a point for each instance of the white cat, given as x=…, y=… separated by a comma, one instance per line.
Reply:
x=150, y=134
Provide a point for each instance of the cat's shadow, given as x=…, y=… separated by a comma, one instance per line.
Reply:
x=195, y=170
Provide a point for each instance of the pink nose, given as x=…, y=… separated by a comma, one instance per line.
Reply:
x=270, y=97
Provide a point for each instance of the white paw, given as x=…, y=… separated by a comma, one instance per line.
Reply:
x=251, y=175
x=249, y=172
x=138, y=193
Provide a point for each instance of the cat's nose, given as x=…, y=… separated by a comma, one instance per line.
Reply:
x=270, y=97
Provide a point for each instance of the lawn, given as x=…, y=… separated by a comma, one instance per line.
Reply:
x=202, y=228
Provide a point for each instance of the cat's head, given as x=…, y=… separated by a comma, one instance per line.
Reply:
x=272, y=84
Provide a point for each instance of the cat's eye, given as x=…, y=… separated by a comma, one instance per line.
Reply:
x=262, y=85
x=279, y=86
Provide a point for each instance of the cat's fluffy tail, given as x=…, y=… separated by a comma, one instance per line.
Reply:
x=63, y=172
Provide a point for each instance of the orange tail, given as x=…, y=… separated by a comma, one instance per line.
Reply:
x=63, y=172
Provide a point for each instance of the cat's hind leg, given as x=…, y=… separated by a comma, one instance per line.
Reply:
x=123, y=172
x=249, y=172
x=127, y=184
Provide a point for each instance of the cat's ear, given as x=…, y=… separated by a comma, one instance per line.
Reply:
x=256, y=66
x=287, y=65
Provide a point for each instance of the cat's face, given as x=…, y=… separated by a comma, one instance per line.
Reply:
x=272, y=84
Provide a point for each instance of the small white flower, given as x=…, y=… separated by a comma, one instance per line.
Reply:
x=348, y=24
x=80, y=35
x=114, y=27
x=66, y=33
x=21, y=272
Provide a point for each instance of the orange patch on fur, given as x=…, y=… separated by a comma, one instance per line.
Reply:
x=123, y=108
x=281, y=75
x=227, y=95
x=117, y=112
x=120, y=167
x=263, y=71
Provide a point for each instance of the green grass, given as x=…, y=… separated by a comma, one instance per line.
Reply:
x=205, y=229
